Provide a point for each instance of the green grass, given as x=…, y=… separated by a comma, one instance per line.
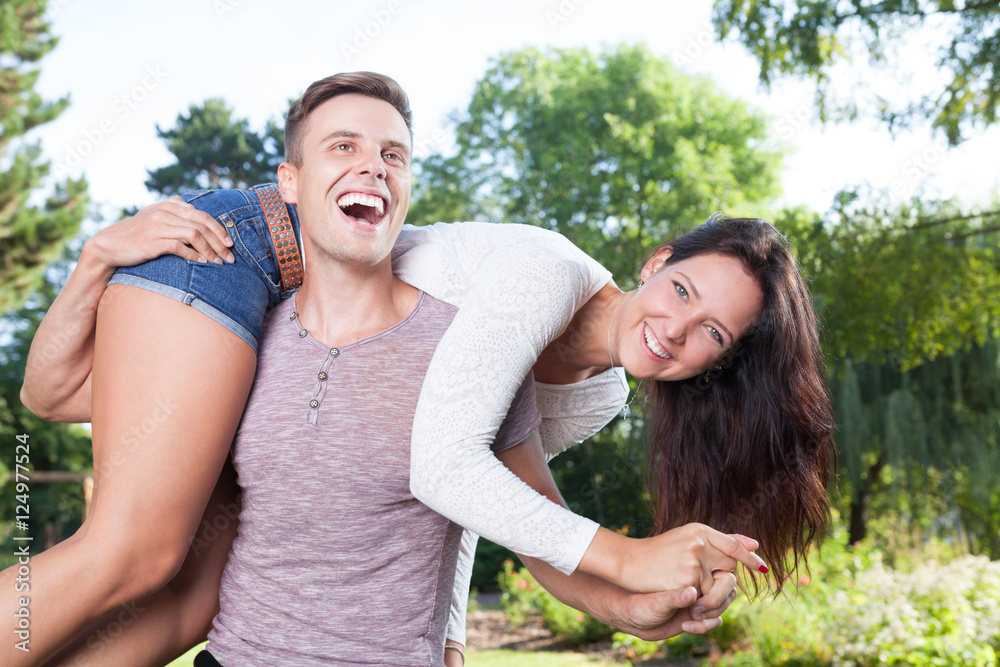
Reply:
x=539, y=659
x=484, y=659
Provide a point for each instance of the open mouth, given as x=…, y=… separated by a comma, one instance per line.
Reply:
x=366, y=209
x=653, y=345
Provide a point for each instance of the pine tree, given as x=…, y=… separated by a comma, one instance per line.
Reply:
x=31, y=235
x=214, y=150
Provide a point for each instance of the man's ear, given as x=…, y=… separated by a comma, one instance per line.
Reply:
x=288, y=181
x=655, y=263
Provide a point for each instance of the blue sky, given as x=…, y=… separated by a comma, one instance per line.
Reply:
x=129, y=66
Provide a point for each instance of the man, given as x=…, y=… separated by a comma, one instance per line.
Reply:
x=355, y=341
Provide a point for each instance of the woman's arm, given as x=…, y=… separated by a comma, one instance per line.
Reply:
x=57, y=374
x=522, y=296
x=460, y=590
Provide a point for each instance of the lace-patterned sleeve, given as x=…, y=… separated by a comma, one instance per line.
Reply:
x=460, y=591
x=523, y=295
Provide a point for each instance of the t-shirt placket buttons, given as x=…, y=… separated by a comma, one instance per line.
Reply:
x=322, y=376
x=321, y=385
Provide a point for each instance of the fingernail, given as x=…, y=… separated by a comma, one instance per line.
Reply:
x=203, y=260
x=698, y=614
x=228, y=241
x=687, y=627
x=230, y=258
x=763, y=569
x=217, y=261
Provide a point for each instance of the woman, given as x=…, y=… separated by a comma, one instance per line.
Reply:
x=741, y=434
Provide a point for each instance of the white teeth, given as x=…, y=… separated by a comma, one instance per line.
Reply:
x=654, y=346
x=364, y=200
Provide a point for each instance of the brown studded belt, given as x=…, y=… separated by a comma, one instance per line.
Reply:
x=279, y=223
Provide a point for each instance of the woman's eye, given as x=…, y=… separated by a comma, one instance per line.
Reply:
x=715, y=334
x=681, y=291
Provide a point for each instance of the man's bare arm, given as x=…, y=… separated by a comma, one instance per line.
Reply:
x=647, y=615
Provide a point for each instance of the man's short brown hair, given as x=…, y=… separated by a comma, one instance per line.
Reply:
x=370, y=84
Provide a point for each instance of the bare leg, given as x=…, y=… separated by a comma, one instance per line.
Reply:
x=158, y=628
x=169, y=386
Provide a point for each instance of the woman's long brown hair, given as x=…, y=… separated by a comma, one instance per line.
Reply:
x=749, y=449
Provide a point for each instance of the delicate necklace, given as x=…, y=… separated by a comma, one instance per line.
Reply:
x=612, y=358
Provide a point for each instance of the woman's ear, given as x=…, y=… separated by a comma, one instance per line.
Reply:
x=655, y=263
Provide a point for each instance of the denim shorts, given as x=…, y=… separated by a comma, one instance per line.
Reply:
x=234, y=295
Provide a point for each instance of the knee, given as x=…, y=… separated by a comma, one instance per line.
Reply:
x=136, y=563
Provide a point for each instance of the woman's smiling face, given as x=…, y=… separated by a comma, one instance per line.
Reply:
x=686, y=316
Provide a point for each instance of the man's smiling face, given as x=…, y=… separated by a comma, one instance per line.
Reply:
x=352, y=187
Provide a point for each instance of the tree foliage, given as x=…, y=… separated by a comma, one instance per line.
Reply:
x=907, y=297
x=809, y=37
x=53, y=446
x=616, y=150
x=899, y=285
x=215, y=150
x=31, y=235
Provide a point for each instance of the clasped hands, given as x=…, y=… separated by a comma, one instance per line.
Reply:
x=680, y=581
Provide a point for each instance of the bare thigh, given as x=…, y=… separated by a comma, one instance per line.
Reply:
x=169, y=386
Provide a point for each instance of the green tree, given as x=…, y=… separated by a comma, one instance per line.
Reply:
x=31, y=235
x=214, y=150
x=809, y=37
x=907, y=297
x=56, y=509
x=899, y=285
x=923, y=439
x=616, y=150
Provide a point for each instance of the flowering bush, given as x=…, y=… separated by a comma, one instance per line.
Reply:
x=935, y=615
x=564, y=621
x=521, y=595
x=518, y=594
x=851, y=610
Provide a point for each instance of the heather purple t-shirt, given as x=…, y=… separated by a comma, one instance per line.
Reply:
x=336, y=563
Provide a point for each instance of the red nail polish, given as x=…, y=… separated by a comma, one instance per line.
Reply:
x=763, y=569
